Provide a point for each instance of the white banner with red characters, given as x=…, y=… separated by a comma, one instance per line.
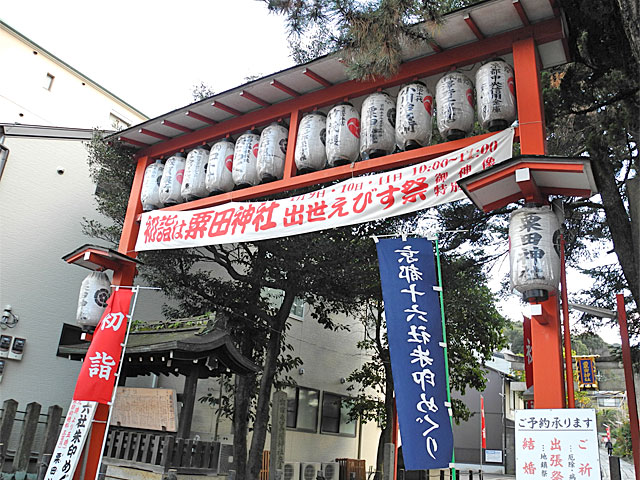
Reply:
x=557, y=444
x=352, y=201
x=98, y=373
x=73, y=435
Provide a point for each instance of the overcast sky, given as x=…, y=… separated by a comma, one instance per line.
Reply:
x=151, y=53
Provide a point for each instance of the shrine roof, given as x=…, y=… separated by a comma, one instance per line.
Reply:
x=467, y=27
x=176, y=352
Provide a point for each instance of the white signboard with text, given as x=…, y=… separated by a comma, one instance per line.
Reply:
x=557, y=444
x=71, y=440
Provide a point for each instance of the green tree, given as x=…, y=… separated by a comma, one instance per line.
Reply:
x=591, y=106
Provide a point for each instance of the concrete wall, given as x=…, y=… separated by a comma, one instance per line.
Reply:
x=28, y=96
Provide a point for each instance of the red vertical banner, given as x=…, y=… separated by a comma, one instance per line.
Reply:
x=483, y=425
x=98, y=373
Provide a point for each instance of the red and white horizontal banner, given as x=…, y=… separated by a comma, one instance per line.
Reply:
x=352, y=201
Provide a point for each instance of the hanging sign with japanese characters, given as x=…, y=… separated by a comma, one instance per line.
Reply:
x=352, y=201
x=73, y=435
x=587, y=372
x=557, y=444
x=414, y=328
x=98, y=373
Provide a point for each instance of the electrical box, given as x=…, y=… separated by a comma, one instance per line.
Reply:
x=5, y=345
x=17, y=349
x=2, y=364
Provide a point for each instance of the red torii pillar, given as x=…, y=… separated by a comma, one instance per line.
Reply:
x=548, y=376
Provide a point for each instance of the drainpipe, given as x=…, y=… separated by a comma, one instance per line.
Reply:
x=4, y=151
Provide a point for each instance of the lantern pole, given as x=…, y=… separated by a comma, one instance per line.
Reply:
x=631, y=389
x=568, y=356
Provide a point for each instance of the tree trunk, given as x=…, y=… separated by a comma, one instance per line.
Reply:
x=242, y=404
x=618, y=219
x=386, y=435
x=266, y=383
x=631, y=21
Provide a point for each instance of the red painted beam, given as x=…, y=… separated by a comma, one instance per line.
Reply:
x=133, y=142
x=396, y=160
x=435, y=47
x=284, y=88
x=254, y=99
x=542, y=32
x=149, y=133
x=202, y=118
x=474, y=28
x=313, y=75
x=521, y=13
x=176, y=126
x=226, y=108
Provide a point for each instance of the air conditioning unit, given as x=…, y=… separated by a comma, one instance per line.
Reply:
x=291, y=471
x=331, y=471
x=309, y=470
x=225, y=459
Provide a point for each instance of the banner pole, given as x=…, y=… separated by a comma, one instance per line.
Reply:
x=135, y=290
x=446, y=348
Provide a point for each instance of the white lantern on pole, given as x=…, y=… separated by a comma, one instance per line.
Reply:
x=343, y=135
x=496, y=95
x=454, y=106
x=378, y=133
x=171, y=182
x=414, y=109
x=534, y=252
x=94, y=293
x=245, y=156
x=271, y=152
x=220, y=166
x=195, y=171
x=150, y=194
x=310, y=153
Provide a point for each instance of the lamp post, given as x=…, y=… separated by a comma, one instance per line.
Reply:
x=621, y=315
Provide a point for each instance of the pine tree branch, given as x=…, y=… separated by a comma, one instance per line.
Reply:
x=616, y=98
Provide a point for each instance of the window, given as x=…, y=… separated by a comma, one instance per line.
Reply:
x=302, y=408
x=609, y=401
x=335, y=416
x=48, y=83
x=297, y=309
x=275, y=297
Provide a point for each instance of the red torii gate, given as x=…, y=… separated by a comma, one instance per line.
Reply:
x=526, y=29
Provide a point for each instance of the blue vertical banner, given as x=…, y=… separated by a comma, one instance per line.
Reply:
x=414, y=328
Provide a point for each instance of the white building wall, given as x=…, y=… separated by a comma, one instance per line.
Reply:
x=40, y=221
x=28, y=96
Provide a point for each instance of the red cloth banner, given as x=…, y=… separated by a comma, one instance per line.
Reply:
x=357, y=200
x=483, y=425
x=98, y=373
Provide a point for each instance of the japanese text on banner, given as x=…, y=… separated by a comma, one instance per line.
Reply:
x=352, y=201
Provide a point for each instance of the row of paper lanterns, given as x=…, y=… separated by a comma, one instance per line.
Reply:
x=342, y=136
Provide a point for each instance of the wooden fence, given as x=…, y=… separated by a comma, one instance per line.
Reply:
x=34, y=446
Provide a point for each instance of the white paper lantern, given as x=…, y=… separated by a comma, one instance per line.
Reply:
x=310, y=153
x=171, y=182
x=150, y=194
x=454, y=106
x=378, y=133
x=220, y=166
x=343, y=135
x=414, y=110
x=534, y=253
x=195, y=172
x=496, y=95
x=94, y=293
x=271, y=152
x=245, y=156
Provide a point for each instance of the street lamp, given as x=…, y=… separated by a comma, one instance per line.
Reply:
x=621, y=315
